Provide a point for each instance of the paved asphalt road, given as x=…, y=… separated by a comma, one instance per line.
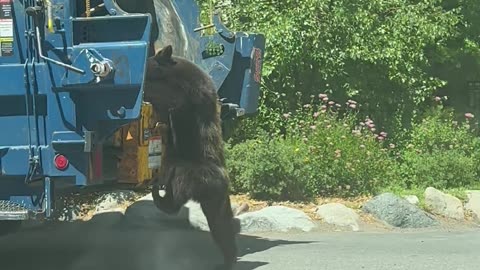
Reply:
x=113, y=242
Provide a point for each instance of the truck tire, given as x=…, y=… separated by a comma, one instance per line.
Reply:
x=9, y=226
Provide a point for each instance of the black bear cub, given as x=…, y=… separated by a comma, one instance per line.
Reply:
x=193, y=165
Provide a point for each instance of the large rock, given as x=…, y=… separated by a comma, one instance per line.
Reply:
x=398, y=212
x=275, y=219
x=145, y=212
x=239, y=209
x=196, y=217
x=443, y=204
x=473, y=203
x=339, y=215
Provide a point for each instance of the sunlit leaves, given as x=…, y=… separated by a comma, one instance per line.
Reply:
x=373, y=50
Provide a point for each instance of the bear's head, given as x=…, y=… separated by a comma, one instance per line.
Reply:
x=161, y=65
x=175, y=82
x=166, y=67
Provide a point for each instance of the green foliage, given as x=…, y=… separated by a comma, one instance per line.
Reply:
x=441, y=152
x=438, y=131
x=318, y=150
x=381, y=53
x=467, y=35
x=439, y=169
x=267, y=169
x=373, y=51
x=378, y=52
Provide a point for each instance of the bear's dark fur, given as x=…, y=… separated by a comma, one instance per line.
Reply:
x=193, y=165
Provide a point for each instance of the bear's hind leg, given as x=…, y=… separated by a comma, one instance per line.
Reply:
x=219, y=214
x=179, y=189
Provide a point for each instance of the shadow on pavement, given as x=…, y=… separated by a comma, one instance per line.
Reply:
x=141, y=239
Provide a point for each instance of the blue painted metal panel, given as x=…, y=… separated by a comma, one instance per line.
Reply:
x=63, y=104
x=53, y=105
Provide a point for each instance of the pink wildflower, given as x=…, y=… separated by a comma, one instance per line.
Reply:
x=352, y=101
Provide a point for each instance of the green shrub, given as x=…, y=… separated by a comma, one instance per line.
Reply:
x=345, y=158
x=438, y=130
x=440, y=152
x=267, y=169
x=439, y=169
x=318, y=150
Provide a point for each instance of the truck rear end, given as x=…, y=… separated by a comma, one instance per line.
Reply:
x=73, y=76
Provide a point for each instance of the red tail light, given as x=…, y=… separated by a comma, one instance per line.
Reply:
x=61, y=162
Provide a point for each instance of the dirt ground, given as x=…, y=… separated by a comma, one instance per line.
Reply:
x=309, y=209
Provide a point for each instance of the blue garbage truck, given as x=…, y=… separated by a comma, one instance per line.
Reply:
x=71, y=101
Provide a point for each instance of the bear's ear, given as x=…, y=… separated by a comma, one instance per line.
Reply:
x=164, y=54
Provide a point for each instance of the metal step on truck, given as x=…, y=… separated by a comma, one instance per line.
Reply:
x=71, y=100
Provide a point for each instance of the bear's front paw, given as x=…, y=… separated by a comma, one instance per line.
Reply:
x=162, y=192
